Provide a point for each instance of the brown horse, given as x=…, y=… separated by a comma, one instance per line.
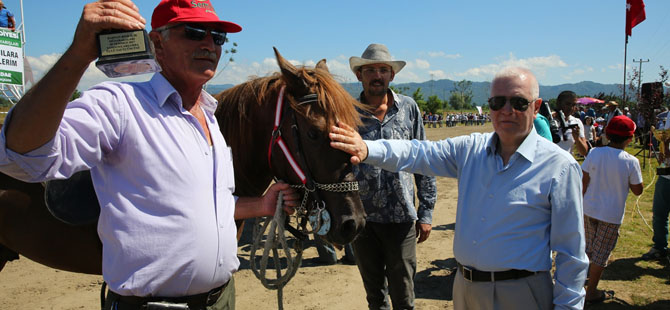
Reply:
x=312, y=102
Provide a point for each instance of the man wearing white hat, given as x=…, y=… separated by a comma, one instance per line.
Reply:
x=386, y=249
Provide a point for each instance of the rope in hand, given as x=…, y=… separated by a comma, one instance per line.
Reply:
x=272, y=243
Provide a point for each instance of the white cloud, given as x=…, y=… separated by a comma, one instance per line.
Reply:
x=437, y=74
x=539, y=66
x=441, y=54
x=422, y=64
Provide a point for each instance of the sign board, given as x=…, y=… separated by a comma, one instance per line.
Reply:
x=11, y=57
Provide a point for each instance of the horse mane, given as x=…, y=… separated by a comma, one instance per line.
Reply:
x=334, y=104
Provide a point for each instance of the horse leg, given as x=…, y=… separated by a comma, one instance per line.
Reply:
x=27, y=227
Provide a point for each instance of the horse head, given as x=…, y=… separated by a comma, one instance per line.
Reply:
x=292, y=114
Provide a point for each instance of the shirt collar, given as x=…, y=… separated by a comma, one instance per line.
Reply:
x=164, y=91
x=526, y=149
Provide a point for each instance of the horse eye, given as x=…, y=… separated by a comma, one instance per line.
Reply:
x=313, y=134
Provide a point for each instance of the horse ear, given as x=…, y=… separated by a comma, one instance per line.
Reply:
x=290, y=75
x=322, y=65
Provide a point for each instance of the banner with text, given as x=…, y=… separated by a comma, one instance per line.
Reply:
x=11, y=58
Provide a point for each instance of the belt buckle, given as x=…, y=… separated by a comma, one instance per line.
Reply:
x=469, y=270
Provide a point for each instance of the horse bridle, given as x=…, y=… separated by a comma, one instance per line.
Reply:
x=316, y=214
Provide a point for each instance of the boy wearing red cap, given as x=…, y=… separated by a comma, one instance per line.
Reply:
x=608, y=174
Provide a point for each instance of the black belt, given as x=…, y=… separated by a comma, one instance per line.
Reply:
x=475, y=275
x=198, y=300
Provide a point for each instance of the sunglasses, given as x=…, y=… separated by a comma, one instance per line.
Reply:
x=518, y=103
x=198, y=33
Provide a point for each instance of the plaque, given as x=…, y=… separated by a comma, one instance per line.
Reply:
x=124, y=53
x=663, y=136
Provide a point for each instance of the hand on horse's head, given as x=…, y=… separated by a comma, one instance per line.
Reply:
x=347, y=139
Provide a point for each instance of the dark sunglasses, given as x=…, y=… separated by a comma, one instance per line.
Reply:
x=198, y=33
x=518, y=103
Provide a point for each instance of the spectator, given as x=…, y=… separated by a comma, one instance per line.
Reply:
x=590, y=132
x=608, y=174
x=573, y=133
x=6, y=17
x=661, y=208
x=386, y=249
x=519, y=199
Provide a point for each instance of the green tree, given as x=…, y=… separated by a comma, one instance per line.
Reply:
x=433, y=104
x=76, y=94
x=418, y=97
x=461, y=96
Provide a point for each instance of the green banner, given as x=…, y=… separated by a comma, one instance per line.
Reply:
x=11, y=58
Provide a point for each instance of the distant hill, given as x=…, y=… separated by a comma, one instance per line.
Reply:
x=480, y=90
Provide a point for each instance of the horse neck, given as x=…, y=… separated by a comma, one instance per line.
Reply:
x=249, y=138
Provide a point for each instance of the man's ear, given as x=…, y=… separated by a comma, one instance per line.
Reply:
x=538, y=104
x=156, y=40
x=392, y=75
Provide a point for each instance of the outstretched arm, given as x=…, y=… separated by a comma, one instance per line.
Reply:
x=36, y=117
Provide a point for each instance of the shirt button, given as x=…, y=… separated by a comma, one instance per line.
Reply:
x=220, y=262
x=483, y=219
x=490, y=195
x=474, y=242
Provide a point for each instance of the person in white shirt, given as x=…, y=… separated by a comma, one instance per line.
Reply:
x=573, y=133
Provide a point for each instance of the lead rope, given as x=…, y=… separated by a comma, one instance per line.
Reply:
x=275, y=238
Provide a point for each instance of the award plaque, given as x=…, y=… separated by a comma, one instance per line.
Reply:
x=663, y=136
x=123, y=53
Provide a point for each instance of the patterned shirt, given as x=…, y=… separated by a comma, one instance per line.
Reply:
x=388, y=197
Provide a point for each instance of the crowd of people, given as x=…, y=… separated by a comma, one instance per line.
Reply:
x=452, y=119
x=521, y=197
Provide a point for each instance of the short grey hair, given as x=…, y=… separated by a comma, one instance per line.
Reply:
x=523, y=74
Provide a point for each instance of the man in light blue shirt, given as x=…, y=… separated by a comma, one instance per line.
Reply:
x=520, y=198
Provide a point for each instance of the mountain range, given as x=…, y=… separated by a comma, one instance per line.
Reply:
x=480, y=90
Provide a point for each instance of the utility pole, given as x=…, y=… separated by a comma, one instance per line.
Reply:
x=639, y=78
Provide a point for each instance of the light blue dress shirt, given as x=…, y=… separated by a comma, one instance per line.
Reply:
x=509, y=216
x=166, y=218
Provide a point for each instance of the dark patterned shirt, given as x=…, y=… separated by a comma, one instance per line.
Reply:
x=388, y=197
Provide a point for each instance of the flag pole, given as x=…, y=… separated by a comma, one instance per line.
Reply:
x=625, y=54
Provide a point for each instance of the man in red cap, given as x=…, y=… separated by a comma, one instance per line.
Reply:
x=161, y=168
x=608, y=173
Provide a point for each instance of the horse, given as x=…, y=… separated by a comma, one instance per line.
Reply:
x=277, y=128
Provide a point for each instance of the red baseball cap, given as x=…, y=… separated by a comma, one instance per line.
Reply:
x=621, y=126
x=185, y=11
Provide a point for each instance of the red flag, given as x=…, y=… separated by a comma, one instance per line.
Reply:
x=634, y=14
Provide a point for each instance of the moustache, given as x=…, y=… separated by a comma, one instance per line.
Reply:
x=373, y=82
x=199, y=54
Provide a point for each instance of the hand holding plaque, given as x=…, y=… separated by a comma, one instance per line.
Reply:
x=123, y=53
x=663, y=136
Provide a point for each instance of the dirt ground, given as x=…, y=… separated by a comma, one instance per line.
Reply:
x=27, y=285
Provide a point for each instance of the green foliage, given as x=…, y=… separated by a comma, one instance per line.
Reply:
x=433, y=104
x=76, y=94
x=461, y=96
x=418, y=97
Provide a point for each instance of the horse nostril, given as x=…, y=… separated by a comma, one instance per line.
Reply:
x=349, y=230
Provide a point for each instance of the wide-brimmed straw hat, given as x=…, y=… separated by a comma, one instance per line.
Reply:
x=612, y=103
x=375, y=54
x=186, y=11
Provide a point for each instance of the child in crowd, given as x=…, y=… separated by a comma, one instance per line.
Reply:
x=608, y=174
x=590, y=131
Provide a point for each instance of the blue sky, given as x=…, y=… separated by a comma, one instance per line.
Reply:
x=565, y=41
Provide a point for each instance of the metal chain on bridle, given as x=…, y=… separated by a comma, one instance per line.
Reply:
x=274, y=227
